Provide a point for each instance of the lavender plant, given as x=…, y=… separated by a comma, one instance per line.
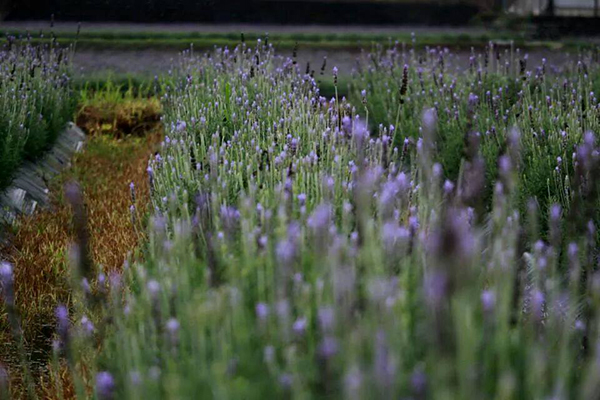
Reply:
x=295, y=253
x=483, y=97
x=35, y=101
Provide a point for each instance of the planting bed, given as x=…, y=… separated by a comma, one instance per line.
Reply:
x=430, y=233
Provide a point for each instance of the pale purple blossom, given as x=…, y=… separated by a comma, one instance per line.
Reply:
x=328, y=347
x=105, y=386
x=262, y=311
x=299, y=326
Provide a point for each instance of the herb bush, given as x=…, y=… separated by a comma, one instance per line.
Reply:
x=35, y=102
x=295, y=253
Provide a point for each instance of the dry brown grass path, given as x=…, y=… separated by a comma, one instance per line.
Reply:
x=40, y=245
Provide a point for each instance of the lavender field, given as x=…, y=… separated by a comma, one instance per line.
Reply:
x=431, y=236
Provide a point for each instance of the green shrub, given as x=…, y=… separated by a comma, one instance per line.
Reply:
x=35, y=102
x=489, y=95
x=294, y=254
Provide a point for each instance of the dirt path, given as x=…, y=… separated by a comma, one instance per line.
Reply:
x=40, y=246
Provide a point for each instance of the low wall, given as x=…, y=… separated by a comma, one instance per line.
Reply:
x=29, y=188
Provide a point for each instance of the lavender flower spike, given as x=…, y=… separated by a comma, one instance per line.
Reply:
x=105, y=386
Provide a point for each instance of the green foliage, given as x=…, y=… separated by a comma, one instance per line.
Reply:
x=552, y=109
x=139, y=39
x=35, y=102
x=293, y=254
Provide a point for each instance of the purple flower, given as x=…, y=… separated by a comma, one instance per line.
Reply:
x=448, y=186
x=360, y=131
x=504, y=165
x=537, y=303
x=6, y=273
x=153, y=288
x=591, y=228
x=403, y=183
x=302, y=199
x=262, y=311
x=555, y=212
x=589, y=139
x=429, y=120
x=262, y=241
x=328, y=347
x=105, y=385
x=418, y=381
x=287, y=249
x=347, y=124
x=488, y=300
x=388, y=196
x=326, y=318
x=299, y=326
x=413, y=223
x=539, y=246
x=7, y=282
x=173, y=326
x=435, y=287
x=230, y=217
x=87, y=326
x=85, y=286
x=394, y=235
x=572, y=251
x=133, y=215
x=473, y=100
x=180, y=126
x=514, y=140
x=437, y=170
x=320, y=218
x=62, y=323
x=286, y=381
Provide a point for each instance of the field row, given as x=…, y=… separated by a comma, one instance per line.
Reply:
x=432, y=235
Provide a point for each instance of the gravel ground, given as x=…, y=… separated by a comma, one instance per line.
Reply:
x=154, y=61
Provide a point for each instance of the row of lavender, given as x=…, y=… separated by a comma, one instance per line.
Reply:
x=35, y=102
x=294, y=252
x=479, y=100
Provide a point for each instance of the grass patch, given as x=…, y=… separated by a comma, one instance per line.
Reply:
x=113, y=110
x=127, y=40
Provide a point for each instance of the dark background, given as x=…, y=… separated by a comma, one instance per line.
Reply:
x=333, y=12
